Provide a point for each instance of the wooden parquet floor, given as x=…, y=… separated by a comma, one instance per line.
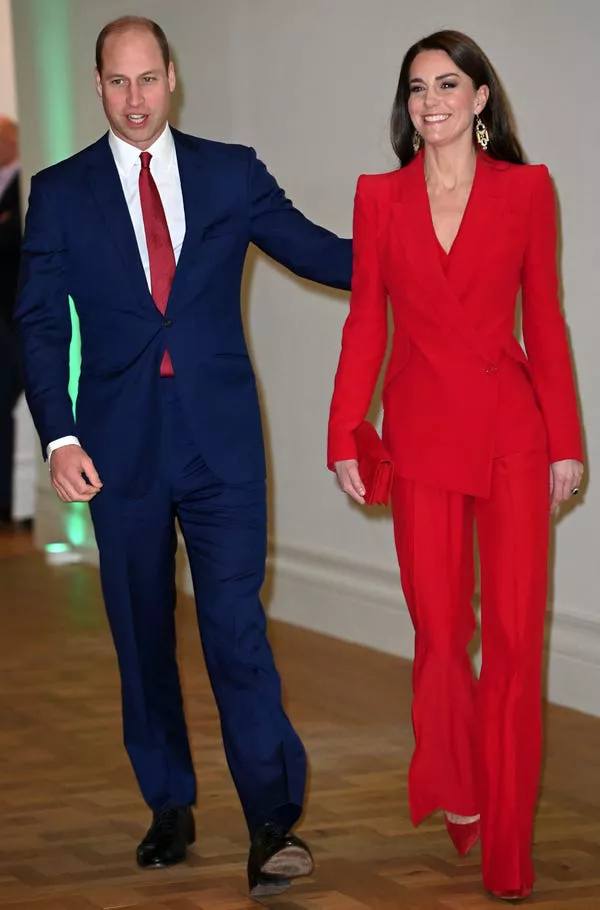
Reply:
x=70, y=814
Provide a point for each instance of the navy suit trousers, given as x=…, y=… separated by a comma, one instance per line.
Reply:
x=224, y=527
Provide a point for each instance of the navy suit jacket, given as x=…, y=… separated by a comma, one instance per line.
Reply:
x=79, y=242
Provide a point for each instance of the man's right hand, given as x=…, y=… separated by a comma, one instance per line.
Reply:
x=68, y=464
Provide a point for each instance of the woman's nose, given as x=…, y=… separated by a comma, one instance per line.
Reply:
x=430, y=97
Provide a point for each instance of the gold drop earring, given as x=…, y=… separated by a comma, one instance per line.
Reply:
x=481, y=133
x=416, y=142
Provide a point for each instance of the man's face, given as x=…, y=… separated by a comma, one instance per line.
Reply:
x=135, y=87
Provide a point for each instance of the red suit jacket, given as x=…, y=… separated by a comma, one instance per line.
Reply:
x=459, y=389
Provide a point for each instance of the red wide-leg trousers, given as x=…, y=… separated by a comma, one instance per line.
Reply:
x=478, y=742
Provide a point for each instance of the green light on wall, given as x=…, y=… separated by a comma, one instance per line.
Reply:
x=74, y=355
x=77, y=524
x=53, y=548
x=51, y=28
x=50, y=24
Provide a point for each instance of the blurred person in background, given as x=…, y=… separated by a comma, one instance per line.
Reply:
x=10, y=248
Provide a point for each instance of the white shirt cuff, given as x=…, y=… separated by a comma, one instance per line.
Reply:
x=59, y=443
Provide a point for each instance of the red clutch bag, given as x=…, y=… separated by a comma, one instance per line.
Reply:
x=375, y=466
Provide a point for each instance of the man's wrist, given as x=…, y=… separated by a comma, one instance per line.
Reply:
x=59, y=443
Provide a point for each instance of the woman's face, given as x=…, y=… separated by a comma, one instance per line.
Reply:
x=443, y=99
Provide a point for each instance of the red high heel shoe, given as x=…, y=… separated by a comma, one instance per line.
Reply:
x=465, y=836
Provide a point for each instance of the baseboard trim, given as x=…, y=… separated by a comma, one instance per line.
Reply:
x=328, y=593
x=362, y=603
x=574, y=660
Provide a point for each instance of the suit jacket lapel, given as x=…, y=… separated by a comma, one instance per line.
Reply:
x=412, y=226
x=197, y=203
x=105, y=185
x=413, y=230
x=477, y=232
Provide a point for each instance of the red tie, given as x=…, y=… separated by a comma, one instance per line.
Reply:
x=160, y=248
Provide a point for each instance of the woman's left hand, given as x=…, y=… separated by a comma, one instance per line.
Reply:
x=565, y=477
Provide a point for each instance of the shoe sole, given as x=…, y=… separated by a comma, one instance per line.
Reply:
x=511, y=898
x=291, y=862
x=162, y=865
x=269, y=888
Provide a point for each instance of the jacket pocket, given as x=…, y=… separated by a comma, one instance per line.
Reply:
x=514, y=350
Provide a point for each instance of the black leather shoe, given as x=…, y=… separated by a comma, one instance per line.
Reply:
x=275, y=859
x=170, y=834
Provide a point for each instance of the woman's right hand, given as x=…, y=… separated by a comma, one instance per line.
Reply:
x=349, y=479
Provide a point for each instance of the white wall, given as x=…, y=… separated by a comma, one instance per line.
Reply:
x=309, y=83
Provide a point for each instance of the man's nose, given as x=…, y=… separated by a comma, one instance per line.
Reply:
x=135, y=95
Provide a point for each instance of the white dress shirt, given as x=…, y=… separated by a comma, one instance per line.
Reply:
x=164, y=169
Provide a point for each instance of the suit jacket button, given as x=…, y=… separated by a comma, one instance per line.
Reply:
x=491, y=368
x=167, y=323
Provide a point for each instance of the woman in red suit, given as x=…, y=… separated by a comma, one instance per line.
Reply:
x=478, y=431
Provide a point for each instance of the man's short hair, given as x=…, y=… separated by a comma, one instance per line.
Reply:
x=128, y=24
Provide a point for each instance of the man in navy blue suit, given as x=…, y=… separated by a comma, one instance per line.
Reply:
x=147, y=230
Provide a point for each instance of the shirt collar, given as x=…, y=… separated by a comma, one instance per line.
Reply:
x=127, y=156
